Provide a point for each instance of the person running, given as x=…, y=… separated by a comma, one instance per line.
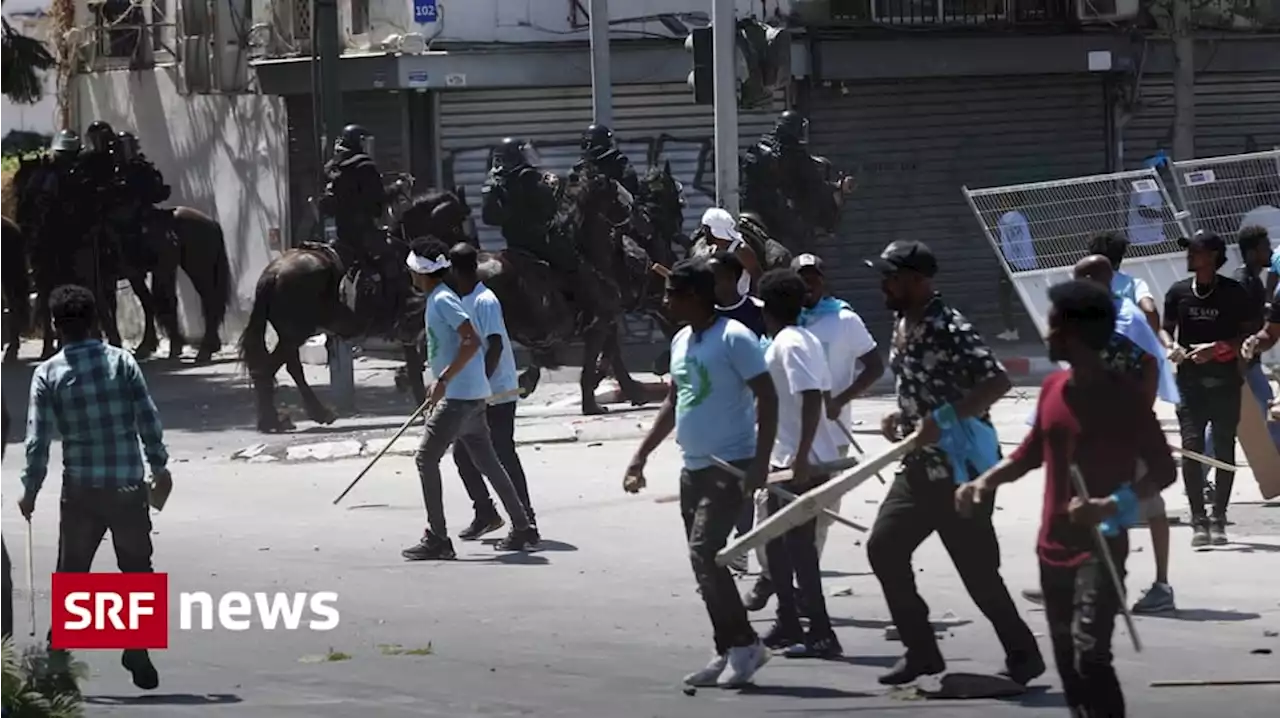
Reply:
x=482, y=305
x=800, y=374
x=722, y=403
x=947, y=381
x=458, y=398
x=1099, y=423
x=1210, y=315
x=95, y=397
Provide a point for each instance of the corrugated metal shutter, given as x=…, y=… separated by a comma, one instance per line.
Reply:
x=914, y=144
x=653, y=123
x=380, y=112
x=1235, y=113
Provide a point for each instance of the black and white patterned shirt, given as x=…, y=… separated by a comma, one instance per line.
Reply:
x=937, y=362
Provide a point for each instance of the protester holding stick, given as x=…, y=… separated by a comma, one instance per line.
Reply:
x=722, y=403
x=947, y=381
x=1099, y=423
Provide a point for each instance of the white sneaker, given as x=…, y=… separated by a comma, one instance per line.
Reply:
x=738, y=566
x=707, y=677
x=744, y=661
x=1008, y=335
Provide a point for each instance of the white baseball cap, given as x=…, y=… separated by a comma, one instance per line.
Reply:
x=721, y=224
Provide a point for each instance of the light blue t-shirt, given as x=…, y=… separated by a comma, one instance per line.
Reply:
x=444, y=315
x=1133, y=288
x=715, y=409
x=485, y=310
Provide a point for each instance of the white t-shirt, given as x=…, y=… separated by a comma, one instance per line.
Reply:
x=797, y=364
x=844, y=338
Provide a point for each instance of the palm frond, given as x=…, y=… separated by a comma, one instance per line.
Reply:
x=41, y=684
x=24, y=58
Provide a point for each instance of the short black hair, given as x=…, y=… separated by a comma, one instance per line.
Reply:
x=73, y=309
x=1087, y=307
x=1110, y=245
x=1251, y=237
x=430, y=248
x=783, y=293
x=728, y=262
x=695, y=276
x=465, y=259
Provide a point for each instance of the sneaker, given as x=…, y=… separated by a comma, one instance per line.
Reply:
x=744, y=661
x=1157, y=599
x=908, y=669
x=481, y=526
x=535, y=538
x=1034, y=595
x=758, y=597
x=138, y=663
x=1024, y=668
x=782, y=635
x=825, y=647
x=1200, y=536
x=707, y=677
x=1008, y=335
x=430, y=548
x=1218, y=533
x=517, y=540
x=738, y=566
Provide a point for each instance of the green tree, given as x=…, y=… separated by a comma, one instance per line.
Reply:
x=41, y=684
x=25, y=58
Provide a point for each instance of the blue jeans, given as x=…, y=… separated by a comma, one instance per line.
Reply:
x=1257, y=380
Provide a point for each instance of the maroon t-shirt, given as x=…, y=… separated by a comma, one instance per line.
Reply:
x=1104, y=430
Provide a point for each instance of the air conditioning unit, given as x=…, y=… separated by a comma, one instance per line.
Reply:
x=1106, y=11
x=290, y=23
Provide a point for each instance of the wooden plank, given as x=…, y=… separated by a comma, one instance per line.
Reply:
x=1259, y=449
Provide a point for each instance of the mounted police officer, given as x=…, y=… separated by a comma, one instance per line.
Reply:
x=356, y=200
x=54, y=206
x=141, y=187
x=598, y=148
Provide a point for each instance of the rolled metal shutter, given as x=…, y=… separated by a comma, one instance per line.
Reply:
x=914, y=144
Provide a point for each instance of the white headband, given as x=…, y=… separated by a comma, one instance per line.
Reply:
x=421, y=265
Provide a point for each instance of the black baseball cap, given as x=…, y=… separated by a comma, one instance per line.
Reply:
x=1202, y=240
x=908, y=255
x=807, y=261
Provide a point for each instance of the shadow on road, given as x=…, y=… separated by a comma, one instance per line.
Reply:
x=1207, y=615
x=166, y=699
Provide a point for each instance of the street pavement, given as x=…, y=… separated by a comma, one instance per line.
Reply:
x=605, y=619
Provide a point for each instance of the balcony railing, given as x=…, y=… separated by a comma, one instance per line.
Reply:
x=950, y=12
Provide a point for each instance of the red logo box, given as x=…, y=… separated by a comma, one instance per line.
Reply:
x=110, y=610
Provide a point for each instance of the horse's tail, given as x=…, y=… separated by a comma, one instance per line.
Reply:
x=253, y=341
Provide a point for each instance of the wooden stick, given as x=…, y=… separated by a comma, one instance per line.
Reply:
x=426, y=406
x=660, y=270
x=786, y=495
x=822, y=467
x=811, y=502
x=1104, y=549
x=31, y=577
x=1212, y=682
x=848, y=434
x=1206, y=460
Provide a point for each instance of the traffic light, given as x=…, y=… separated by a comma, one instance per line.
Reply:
x=702, y=77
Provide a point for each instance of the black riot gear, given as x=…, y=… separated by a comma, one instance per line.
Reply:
x=600, y=149
x=66, y=144
x=510, y=155
x=127, y=143
x=791, y=128
x=100, y=137
x=353, y=137
x=356, y=199
x=597, y=139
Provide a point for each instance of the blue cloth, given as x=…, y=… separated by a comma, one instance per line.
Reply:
x=1275, y=265
x=826, y=305
x=485, y=310
x=967, y=443
x=1126, y=512
x=715, y=409
x=444, y=315
x=1132, y=324
x=1128, y=286
x=1159, y=159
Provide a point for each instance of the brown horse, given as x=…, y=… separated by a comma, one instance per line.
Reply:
x=301, y=293
x=15, y=281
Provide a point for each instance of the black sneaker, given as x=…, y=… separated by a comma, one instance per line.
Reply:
x=138, y=663
x=1200, y=536
x=758, y=597
x=518, y=540
x=908, y=669
x=827, y=647
x=782, y=635
x=1025, y=668
x=535, y=538
x=1218, y=533
x=430, y=548
x=481, y=525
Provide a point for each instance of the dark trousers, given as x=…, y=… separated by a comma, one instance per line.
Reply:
x=914, y=508
x=502, y=431
x=1204, y=405
x=794, y=556
x=1080, y=604
x=710, y=502
x=8, y=592
x=87, y=514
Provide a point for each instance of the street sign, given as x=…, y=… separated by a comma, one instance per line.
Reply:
x=425, y=12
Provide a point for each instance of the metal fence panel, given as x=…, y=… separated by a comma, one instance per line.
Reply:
x=1225, y=194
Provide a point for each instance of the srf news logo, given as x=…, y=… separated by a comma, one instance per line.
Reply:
x=131, y=610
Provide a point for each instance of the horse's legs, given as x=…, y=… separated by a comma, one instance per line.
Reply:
x=149, y=340
x=315, y=408
x=631, y=388
x=414, y=363
x=270, y=421
x=110, y=322
x=592, y=346
x=45, y=321
x=164, y=283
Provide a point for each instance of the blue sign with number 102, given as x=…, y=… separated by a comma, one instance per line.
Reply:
x=425, y=11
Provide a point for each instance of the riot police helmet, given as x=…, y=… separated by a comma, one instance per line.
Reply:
x=101, y=137
x=353, y=137
x=128, y=144
x=597, y=137
x=509, y=154
x=791, y=126
x=66, y=142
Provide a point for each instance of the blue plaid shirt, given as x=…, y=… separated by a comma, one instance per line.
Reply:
x=95, y=396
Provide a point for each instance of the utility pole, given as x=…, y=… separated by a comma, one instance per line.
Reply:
x=1184, y=82
x=724, y=47
x=601, y=73
x=324, y=14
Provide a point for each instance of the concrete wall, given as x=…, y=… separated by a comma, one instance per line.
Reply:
x=527, y=20
x=223, y=155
